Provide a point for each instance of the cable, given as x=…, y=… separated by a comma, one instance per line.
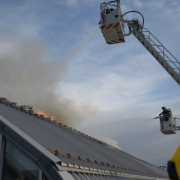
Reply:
x=135, y=12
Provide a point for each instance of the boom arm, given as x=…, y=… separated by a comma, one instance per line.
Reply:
x=156, y=49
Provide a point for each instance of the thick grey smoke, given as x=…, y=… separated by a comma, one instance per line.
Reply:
x=27, y=77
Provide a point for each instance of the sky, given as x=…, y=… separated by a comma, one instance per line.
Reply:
x=107, y=86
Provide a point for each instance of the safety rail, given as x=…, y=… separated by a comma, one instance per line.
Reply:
x=166, y=55
x=157, y=50
x=105, y=7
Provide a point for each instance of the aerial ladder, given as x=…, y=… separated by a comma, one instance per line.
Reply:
x=112, y=25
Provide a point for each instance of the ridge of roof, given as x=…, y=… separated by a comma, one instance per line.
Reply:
x=29, y=110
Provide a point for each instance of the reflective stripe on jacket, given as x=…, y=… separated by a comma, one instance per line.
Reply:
x=170, y=112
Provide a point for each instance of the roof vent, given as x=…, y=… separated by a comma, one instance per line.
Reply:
x=96, y=162
x=26, y=107
x=4, y=99
x=108, y=164
x=14, y=103
x=29, y=107
x=31, y=111
x=68, y=155
x=22, y=106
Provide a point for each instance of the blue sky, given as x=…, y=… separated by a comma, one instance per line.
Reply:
x=105, y=82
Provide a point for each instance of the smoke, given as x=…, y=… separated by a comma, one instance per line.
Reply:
x=29, y=78
x=95, y=134
x=105, y=139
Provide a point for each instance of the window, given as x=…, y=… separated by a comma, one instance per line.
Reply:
x=17, y=166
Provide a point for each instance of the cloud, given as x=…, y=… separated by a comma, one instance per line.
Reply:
x=138, y=4
x=76, y=3
x=125, y=8
x=70, y=3
x=168, y=11
x=175, y=3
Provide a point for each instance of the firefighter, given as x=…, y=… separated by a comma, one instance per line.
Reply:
x=170, y=112
x=107, y=11
x=165, y=114
x=111, y=9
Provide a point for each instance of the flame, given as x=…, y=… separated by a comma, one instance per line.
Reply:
x=45, y=115
x=42, y=113
x=53, y=118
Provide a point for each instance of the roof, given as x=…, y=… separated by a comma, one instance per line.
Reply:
x=75, y=150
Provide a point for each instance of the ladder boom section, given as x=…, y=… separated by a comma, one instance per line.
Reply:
x=157, y=50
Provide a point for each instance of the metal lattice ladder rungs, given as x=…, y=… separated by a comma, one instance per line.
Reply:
x=158, y=51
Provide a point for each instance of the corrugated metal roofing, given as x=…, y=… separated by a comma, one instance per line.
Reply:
x=50, y=136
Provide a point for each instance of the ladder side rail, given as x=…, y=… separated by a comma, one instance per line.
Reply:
x=161, y=57
x=173, y=64
x=146, y=30
x=162, y=51
x=160, y=44
x=166, y=60
x=153, y=43
x=165, y=56
x=154, y=53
